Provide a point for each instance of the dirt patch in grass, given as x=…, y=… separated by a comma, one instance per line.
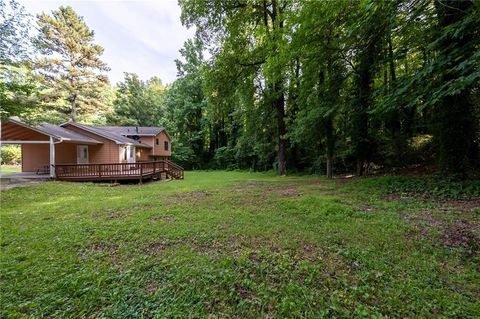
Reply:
x=244, y=293
x=464, y=204
x=151, y=287
x=440, y=203
x=168, y=219
x=187, y=197
x=452, y=230
x=102, y=247
x=117, y=214
x=286, y=192
x=108, y=249
x=158, y=247
x=237, y=246
x=345, y=179
x=462, y=234
x=121, y=212
x=261, y=188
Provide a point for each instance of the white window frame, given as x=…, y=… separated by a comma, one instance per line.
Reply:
x=80, y=151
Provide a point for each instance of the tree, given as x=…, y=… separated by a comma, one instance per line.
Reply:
x=18, y=87
x=316, y=43
x=70, y=69
x=17, y=82
x=459, y=56
x=251, y=39
x=185, y=107
x=15, y=26
x=138, y=102
x=344, y=85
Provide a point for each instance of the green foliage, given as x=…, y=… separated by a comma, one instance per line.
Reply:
x=10, y=154
x=138, y=102
x=352, y=82
x=15, y=26
x=426, y=187
x=18, y=88
x=224, y=158
x=70, y=68
x=315, y=86
x=186, y=117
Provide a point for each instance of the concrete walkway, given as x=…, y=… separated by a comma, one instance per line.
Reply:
x=10, y=180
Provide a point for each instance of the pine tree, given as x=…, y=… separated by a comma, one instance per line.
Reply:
x=70, y=68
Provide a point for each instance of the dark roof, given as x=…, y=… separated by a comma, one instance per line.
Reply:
x=67, y=135
x=101, y=131
x=133, y=130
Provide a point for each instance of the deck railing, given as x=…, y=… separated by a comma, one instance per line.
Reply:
x=138, y=170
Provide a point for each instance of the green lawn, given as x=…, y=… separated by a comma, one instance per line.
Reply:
x=235, y=245
x=6, y=169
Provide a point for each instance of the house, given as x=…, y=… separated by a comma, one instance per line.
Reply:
x=75, y=147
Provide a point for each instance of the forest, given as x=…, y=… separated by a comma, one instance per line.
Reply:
x=326, y=87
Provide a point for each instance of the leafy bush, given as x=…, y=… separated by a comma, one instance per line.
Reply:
x=224, y=158
x=11, y=154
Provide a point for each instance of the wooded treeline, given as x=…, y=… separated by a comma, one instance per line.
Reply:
x=313, y=86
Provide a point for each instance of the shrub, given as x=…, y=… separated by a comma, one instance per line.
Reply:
x=11, y=154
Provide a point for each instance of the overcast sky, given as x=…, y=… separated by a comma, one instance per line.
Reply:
x=138, y=36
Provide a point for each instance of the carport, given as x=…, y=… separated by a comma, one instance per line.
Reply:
x=40, y=141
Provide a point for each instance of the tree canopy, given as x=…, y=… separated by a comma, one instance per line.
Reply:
x=70, y=66
x=313, y=86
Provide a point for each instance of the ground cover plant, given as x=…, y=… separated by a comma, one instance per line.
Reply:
x=237, y=245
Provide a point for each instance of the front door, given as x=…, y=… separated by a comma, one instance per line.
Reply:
x=82, y=154
x=130, y=154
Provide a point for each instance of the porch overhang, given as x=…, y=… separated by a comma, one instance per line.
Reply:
x=14, y=131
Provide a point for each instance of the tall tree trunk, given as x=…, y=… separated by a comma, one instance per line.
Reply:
x=282, y=145
x=360, y=121
x=73, y=106
x=330, y=146
x=278, y=92
x=455, y=133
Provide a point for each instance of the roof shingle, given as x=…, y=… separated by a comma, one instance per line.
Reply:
x=133, y=130
x=65, y=134
x=116, y=137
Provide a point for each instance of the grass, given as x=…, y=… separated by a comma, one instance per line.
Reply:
x=7, y=169
x=235, y=244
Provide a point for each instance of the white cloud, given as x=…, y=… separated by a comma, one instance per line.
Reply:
x=138, y=36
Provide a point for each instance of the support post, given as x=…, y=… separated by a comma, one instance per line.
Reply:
x=52, y=158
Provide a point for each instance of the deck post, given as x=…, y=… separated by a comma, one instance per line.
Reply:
x=141, y=173
x=52, y=158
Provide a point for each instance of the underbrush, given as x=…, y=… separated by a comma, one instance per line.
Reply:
x=425, y=187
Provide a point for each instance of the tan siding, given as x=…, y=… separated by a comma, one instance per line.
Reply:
x=147, y=140
x=108, y=152
x=143, y=154
x=35, y=156
x=66, y=153
x=158, y=150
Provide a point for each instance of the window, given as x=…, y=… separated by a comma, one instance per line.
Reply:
x=165, y=145
x=157, y=141
x=125, y=157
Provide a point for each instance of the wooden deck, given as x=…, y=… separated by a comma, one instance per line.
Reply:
x=118, y=171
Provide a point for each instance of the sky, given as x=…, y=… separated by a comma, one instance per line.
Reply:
x=142, y=37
